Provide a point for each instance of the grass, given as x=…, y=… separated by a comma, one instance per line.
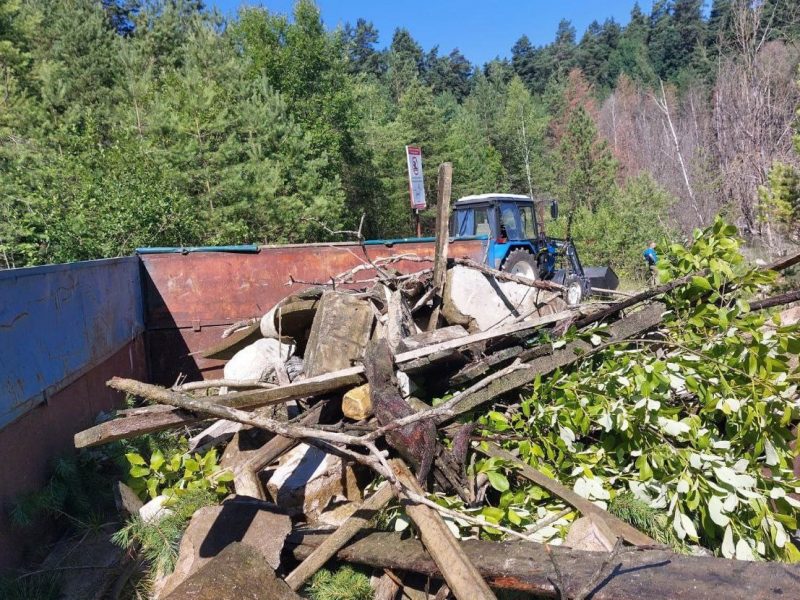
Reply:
x=343, y=584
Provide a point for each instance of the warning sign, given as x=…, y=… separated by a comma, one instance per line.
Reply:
x=416, y=183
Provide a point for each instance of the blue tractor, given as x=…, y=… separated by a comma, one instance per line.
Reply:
x=518, y=243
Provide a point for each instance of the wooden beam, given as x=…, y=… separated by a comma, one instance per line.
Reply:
x=631, y=326
x=634, y=575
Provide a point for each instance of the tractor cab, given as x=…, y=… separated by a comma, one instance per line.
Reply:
x=517, y=241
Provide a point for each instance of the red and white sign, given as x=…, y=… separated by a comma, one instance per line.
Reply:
x=416, y=184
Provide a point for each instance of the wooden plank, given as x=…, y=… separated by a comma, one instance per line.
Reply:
x=141, y=423
x=483, y=336
x=617, y=526
x=458, y=570
x=636, y=574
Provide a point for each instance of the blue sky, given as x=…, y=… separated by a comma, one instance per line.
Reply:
x=481, y=29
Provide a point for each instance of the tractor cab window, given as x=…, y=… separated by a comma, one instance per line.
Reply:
x=508, y=222
x=527, y=224
x=470, y=221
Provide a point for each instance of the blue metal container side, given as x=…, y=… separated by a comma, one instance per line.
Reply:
x=58, y=321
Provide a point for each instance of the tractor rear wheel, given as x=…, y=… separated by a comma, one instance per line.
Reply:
x=521, y=262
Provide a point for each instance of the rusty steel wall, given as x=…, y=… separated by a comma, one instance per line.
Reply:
x=191, y=298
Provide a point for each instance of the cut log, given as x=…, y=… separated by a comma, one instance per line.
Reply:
x=245, y=473
x=357, y=404
x=636, y=574
x=340, y=537
x=455, y=566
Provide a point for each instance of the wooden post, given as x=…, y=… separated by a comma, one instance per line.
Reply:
x=442, y=239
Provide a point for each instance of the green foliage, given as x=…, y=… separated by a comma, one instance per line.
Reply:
x=779, y=201
x=126, y=124
x=343, y=584
x=159, y=539
x=617, y=233
x=177, y=474
x=77, y=492
x=694, y=422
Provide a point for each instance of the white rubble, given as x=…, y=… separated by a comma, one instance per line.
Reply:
x=258, y=360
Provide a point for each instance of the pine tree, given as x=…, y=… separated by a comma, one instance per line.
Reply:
x=405, y=62
x=362, y=53
x=586, y=169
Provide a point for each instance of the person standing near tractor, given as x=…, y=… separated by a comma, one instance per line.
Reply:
x=651, y=258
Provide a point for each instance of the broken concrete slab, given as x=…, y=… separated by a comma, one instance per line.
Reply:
x=292, y=316
x=306, y=480
x=258, y=360
x=260, y=525
x=87, y=569
x=356, y=403
x=239, y=571
x=478, y=302
x=217, y=433
x=339, y=334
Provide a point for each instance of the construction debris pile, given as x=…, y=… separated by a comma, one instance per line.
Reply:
x=364, y=392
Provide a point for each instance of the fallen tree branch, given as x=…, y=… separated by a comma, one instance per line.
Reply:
x=232, y=383
x=307, y=388
x=503, y=276
x=615, y=524
x=779, y=300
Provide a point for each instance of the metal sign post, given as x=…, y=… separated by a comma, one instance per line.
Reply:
x=416, y=183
